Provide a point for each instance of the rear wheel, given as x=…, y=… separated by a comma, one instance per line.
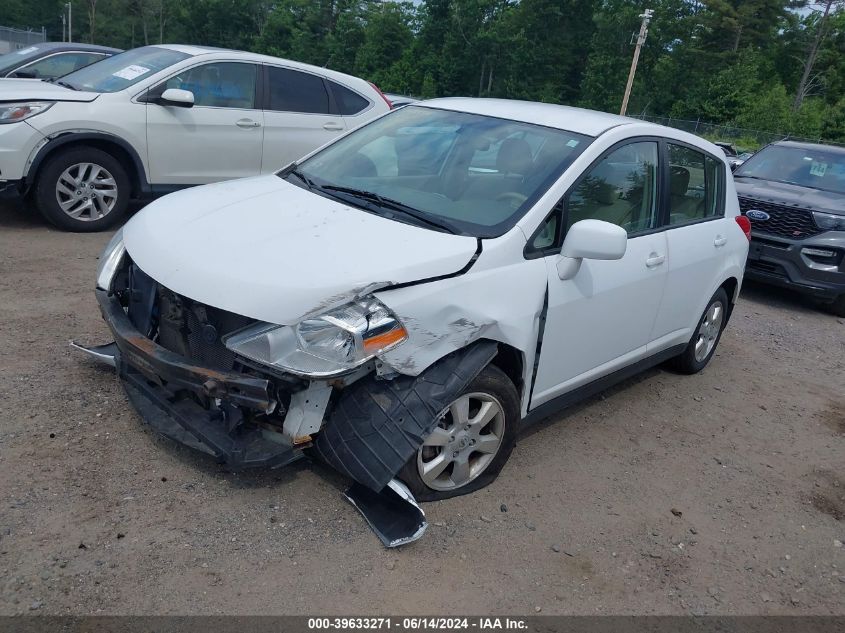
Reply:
x=703, y=343
x=472, y=441
x=82, y=189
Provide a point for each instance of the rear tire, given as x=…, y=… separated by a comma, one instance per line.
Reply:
x=708, y=333
x=82, y=189
x=475, y=437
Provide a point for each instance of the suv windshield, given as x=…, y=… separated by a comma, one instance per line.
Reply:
x=123, y=70
x=465, y=173
x=12, y=60
x=811, y=167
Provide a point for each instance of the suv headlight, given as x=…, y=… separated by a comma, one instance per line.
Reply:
x=14, y=112
x=829, y=222
x=329, y=344
x=110, y=260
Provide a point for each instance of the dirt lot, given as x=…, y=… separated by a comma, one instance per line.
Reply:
x=717, y=493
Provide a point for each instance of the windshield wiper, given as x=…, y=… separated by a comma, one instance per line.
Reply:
x=394, y=205
x=293, y=170
x=65, y=84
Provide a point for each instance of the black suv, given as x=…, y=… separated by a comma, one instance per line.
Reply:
x=794, y=195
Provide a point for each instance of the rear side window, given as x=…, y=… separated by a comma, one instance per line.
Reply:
x=294, y=91
x=348, y=102
x=695, y=185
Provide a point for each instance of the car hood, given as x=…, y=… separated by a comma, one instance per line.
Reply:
x=36, y=90
x=267, y=249
x=790, y=195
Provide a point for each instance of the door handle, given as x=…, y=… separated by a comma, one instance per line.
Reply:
x=247, y=123
x=333, y=127
x=655, y=260
x=720, y=241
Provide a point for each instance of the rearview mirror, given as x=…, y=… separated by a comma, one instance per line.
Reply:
x=590, y=239
x=177, y=97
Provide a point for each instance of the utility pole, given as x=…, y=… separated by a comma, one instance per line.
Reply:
x=640, y=41
x=64, y=26
x=69, y=21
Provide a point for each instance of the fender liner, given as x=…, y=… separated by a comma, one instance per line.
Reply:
x=377, y=425
x=63, y=138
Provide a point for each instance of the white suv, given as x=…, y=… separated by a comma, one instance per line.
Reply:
x=404, y=300
x=160, y=118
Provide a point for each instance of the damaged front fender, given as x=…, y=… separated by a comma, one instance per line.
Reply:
x=377, y=425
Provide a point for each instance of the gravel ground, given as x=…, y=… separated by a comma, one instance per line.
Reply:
x=721, y=493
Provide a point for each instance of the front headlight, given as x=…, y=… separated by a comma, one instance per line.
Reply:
x=829, y=222
x=329, y=344
x=14, y=112
x=110, y=261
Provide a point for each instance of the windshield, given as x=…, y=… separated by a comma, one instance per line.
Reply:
x=469, y=172
x=813, y=168
x=10, y=61
x=123, y=70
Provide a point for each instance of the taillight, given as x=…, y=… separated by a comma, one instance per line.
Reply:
x=745, y=225
x=381, y=94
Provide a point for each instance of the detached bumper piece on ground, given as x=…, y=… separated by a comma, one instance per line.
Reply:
x=372, y=428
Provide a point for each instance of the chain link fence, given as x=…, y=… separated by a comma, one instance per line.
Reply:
x=15, y=39
x=739, y=135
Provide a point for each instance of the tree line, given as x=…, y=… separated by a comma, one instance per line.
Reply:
x=771, y=65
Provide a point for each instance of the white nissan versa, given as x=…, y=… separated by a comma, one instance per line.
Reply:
x=160, y=118
x=402, y=301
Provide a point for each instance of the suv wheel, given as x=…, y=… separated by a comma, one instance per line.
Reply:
x=82, y=189
x=472, y=441
x=703, y=343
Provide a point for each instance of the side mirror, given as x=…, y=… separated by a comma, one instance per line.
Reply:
x=734, y=166
x=177, y=97
x=590, y=239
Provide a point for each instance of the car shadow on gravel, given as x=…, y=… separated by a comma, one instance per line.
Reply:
x=21, y=215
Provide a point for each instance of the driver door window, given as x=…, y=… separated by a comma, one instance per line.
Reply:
x=217, y=85
x=621, y=189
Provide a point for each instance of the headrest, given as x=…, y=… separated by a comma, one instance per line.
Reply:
x=514, y=157
x=678, y=180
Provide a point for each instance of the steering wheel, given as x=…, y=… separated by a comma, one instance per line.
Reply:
x=512, y=196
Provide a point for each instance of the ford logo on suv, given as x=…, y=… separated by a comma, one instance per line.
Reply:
x=756, y=214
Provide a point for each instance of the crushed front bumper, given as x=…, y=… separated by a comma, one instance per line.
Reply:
x=154, y=377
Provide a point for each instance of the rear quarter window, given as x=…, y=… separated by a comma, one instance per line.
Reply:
x=348, y=102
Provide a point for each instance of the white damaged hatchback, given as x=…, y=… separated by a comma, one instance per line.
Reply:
x=400, y=303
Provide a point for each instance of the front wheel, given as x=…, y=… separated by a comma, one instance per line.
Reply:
x=82, y=189
x=703, y=343
x=473, y=439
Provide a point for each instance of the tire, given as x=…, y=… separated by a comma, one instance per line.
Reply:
x=491, y=387
x=837, y=308
x=93, y=208
x=691, y=360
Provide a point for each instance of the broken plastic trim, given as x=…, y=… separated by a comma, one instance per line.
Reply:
x=376, y=425
x=393, y=514
x=106, y=354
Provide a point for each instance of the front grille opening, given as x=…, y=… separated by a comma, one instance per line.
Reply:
x=783, y=221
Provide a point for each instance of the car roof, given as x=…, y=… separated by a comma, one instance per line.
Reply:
x=835, y=149
x=196, y=51
x=580, y=120
x=73, y=46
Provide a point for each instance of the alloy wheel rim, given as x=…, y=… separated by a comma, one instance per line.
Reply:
x=465, y=441
x=86, y=191
x=708, y=331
